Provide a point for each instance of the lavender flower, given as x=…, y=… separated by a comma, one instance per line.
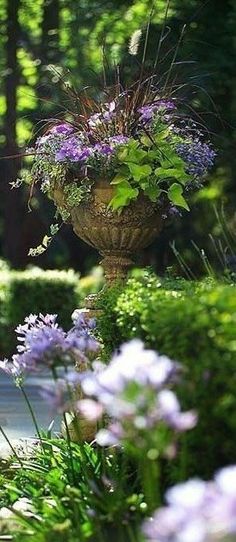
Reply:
x=197, y=511
x=199, y=157
x=147, y=112
x=131, y=390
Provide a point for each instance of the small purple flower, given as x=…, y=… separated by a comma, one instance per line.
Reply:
x=170, y=412
x=148, y=111
x=64, y=129
x=118, y=140
x=199, y=157
x=72, y=150
x=94, y=120
x=103, y=148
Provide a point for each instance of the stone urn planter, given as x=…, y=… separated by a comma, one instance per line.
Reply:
x=117, y=236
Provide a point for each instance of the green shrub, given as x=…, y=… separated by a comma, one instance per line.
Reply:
x=35, y=291
x=194, y=323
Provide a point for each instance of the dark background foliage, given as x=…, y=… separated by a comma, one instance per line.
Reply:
x=69, y=34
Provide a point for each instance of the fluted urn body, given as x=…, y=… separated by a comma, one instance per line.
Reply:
x=116, y=235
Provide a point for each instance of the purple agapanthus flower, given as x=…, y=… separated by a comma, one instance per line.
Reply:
x=199, y=157
x=42, y=343
x=132, y=391
x=197, y=511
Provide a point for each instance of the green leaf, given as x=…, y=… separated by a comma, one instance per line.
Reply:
x=136, y=156
x=146, y=141
x=174, y=173
x=153, y=192
x=120, y=177
x=46, y=240
x=138, y=172
x=175, y=195
x=124, y=194
x=162, y=135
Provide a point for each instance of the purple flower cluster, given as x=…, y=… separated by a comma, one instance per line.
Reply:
x=71, y=150
x=147, y=112
x=43, y=344
x=198, y=156
x=132, y=391
x=64, y=129
x=106, y=115
x=197, y=511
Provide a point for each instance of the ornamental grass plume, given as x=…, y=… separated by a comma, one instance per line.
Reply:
x=135, y=42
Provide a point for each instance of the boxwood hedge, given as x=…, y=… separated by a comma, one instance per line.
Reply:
x=195, y=324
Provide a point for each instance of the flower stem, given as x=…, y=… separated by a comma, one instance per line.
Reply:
x=69, y=449
x=10, y=445
x=151, y=483
x=31, y=414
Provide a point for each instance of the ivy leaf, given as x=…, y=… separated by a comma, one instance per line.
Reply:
x=146, y=141
x=120, y=177
x=174, y=173
x=175, y=195
x=122, y=154
x=136, y=155
x=162, y=135
x=153, y=192
x=54, y=228
x=138, y=172
x=124, y=194
x=46, y=240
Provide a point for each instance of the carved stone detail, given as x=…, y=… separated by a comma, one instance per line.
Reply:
x=117, y=236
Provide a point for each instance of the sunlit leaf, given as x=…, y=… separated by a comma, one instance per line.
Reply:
x=175, y=195
x=124, y=194
x=138, y=172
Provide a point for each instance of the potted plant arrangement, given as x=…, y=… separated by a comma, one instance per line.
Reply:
x=117, y=167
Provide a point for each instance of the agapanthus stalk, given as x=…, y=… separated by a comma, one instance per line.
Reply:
x=32, y=414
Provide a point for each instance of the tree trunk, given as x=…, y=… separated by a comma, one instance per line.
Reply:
x=12, y=206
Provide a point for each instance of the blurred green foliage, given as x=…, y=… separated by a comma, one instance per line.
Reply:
x=193, y=323
x=35, y=291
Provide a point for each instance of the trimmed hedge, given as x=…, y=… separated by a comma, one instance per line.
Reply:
x=35, y=291
x=194, y=323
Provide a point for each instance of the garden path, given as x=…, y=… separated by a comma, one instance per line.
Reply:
x=14, y=415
